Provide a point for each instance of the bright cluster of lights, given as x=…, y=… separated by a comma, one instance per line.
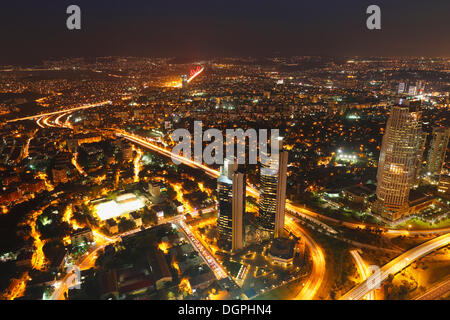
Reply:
x=123, y=204
x=346, y=157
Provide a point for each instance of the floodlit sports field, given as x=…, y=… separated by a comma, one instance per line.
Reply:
x=123, y=204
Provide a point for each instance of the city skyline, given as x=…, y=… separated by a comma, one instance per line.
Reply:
x=215, y=157
x=196, y=31
x=91, y=172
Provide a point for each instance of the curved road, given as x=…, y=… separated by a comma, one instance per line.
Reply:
x=363, y=271
x=396, y=265
x=313, y=284
x=252, y=191
x=318, y=273
x=92, y=105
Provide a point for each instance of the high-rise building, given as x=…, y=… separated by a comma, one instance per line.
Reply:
x=400, y=160
x=238, y=209
x=272, y=197
x=401, y=87
x=281, y=195
x=224, y=196
x=436, y=153
x=231, y=198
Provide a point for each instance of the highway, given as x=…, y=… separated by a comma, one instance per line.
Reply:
x=87, y=262
x=363, y=271
x=215, y=266
x=396, y=265
x=304, y=212
x=317, y=277
x=312, y=285
x=93, y=105
x=253, y=192
x=353, y=225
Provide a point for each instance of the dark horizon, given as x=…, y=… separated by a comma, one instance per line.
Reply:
x=32, y=32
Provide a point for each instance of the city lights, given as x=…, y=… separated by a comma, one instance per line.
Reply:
x=187, y=154
x=121, y=205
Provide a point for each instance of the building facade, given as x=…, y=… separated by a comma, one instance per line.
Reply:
x=272, y=197
x=238, y=209
x=436, y=154
x=231, y=198
x=400, y=159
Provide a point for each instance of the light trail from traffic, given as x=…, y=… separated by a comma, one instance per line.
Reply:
x=363, y=271
x=154, y=147
x=314, y=282
x=59, y=117
x=45, y=121
x=395, y=266
x=93, y=105
x=314, y=216
x=215, y=266
x=38, y=122
x=192, y=77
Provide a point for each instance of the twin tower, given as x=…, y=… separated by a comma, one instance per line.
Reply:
x=231, y=189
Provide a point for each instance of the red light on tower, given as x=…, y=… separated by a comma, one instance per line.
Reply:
x=192, y=72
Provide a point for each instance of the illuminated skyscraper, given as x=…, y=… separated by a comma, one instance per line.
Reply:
x=281, y=194
x=272, y=197
x=400, y=159
x=436, y=154
x=231, y=198
x=224, y=196
x=238, y=209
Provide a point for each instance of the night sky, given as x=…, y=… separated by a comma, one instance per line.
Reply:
x=34, y=30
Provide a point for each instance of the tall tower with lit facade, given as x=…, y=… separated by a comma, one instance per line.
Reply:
x=436, y=154
x=400, y=159
x=238, y=209
x=231, y=198
x=272, y=196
